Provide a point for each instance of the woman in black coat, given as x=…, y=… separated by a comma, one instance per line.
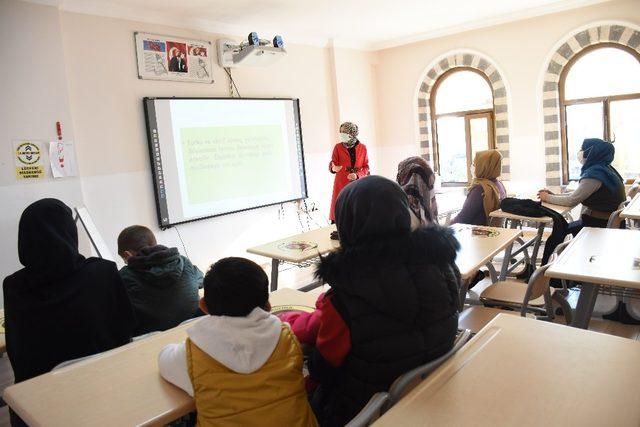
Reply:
x=393, y=299
x=60, y=306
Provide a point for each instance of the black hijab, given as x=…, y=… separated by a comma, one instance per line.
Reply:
x=48, y=241
x=60, y=306
x=370, y=208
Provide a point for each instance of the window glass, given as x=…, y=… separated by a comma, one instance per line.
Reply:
x=605, y=71
x=463, y=91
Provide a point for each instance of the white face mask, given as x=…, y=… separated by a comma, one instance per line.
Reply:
x=344, y=137
x=581, y=158
x=473, y=171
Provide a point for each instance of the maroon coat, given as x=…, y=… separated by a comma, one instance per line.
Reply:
x=340, y=157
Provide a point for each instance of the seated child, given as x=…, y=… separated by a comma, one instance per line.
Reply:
x=392, y=304
x=242, y=365
x=161, y=283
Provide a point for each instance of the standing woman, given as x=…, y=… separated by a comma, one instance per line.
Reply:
x=349, y=161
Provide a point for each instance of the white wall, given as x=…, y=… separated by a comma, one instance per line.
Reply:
x=520, y=49
x=34, y=96
x=106, y=105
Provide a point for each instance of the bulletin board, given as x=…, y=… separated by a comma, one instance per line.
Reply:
x=173, y=58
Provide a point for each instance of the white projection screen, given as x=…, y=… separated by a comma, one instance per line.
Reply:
x=215, y=156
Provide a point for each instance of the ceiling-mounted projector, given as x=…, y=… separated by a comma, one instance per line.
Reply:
x=254, y=52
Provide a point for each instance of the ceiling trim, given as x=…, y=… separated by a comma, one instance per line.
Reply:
x=100, y=8
x=549, y=9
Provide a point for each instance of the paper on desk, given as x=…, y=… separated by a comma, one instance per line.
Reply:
x=62, y=158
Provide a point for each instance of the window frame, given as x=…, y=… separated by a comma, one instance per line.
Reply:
x=605, y=100
x=468, y=115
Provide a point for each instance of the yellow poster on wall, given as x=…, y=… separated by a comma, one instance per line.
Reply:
x=28, y=160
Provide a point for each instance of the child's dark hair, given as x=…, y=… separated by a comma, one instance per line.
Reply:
x=134, y=238
x=234, y=287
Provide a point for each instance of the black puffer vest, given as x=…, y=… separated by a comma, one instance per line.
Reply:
x=399, y=300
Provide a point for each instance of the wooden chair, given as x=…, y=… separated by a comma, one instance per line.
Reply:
x=407, y=381
x=535, y=296
x=371, y=412
x=475, y=317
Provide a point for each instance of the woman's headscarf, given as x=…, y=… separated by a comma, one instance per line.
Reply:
x=488, y=166
x=598, y=155
x=48, y=241
x=352, y=130
x=416, y=178
x=369, y=209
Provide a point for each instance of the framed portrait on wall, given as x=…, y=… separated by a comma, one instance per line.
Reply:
x=173, y=58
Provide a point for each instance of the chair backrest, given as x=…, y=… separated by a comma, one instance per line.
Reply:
x=371, y=412
x=184, y=322
x=538, y=283
x=143, y=336
x=614, y=219
x=74, y=361
x=407, y=381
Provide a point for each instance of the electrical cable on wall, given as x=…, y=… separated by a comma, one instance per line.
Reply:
x=232, y=84
x=184, y=248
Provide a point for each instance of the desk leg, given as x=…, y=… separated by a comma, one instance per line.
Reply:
x=275, y=264
x=506, y=262
x=464, y=287
x=536, y=246
x=586, y=302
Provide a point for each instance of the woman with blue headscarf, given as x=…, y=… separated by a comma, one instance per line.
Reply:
x=601, y=188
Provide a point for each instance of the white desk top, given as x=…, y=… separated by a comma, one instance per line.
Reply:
x=477, y=250
x=525, y=372
x=314, y=243
x=633, y=210
x=121, y=387
x=602, y=256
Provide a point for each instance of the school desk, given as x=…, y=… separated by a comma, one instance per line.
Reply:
x=524, y=372
x=300, y=250
x=598, y=256
x=540, y=223
x=121, y=387
x=478, y=247
x=632, y=211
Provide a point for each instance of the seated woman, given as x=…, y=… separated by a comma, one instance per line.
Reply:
x=60, y=306
x=417, y=179
x=600, y=190
x=485, y=191
x=392, y=304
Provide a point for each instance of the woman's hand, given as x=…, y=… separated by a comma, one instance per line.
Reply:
x=335, y=167
x=352, y=177
x=543, y=194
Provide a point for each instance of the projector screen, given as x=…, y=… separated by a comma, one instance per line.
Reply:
x=215, y=156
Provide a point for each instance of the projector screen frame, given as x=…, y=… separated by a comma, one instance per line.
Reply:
x=146, y=101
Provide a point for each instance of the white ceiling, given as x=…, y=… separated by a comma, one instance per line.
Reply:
x=364, y=24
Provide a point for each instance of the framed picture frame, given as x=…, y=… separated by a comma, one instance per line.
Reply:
x=173, y=58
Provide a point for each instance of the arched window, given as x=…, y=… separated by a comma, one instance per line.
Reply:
x=600, y=98
x=462, y=122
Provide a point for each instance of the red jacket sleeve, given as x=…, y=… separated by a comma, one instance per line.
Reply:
x=364, y=169
x=304, y=325
x=334, y=339
x=335, y=159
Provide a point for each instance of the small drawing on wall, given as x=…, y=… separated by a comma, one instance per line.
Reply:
x=173, y=58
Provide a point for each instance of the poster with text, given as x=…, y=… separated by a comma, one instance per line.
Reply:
x=62, y=158
x=173, y=58
x=28, y=158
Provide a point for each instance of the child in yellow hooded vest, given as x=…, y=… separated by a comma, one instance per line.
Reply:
x=241, y=363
